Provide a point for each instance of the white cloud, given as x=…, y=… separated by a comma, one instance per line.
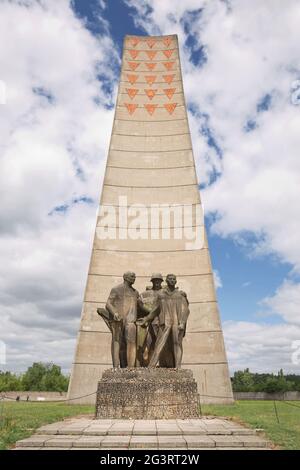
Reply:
x=217, y=279
x=285, y=302
x=261, y=347
x=55, y=129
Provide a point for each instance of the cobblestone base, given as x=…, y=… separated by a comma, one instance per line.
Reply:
x=143, y=393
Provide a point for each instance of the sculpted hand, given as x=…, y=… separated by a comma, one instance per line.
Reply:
x=117, y=317
x=181, y=326
x=142, y=321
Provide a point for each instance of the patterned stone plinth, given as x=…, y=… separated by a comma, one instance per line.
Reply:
x=142, y=393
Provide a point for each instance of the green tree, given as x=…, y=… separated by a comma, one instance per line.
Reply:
x=9, y=382
x=44, y=377
x=274, y=384
x=243, y=381
x=54, y=380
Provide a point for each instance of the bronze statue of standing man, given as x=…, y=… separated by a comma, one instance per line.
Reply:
x=147, y=335
x=120, y=316
x=172, y=310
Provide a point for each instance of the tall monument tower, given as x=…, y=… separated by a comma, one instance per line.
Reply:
x=150, y=163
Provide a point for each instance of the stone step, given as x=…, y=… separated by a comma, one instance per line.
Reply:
x=174, y=427
x=83, y=433
x=144, y=448
x=141, y=442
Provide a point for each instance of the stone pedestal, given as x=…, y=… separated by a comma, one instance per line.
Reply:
x=142, y=393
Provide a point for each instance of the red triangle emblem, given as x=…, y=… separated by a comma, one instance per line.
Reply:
x=150, y=79
x=151, y=54
x=134, y=53
x=132, y=78
x=167, y=41
x=151, y=65
x=170, y=107
x=131, y=107
x=151, y=42
x=169, y=92
x=168, y=53
x=133, y=65
x=150, y=108
x=134, y=41
x=131, y=92
x=150, y=93
x=169, y=65
x=169, y=79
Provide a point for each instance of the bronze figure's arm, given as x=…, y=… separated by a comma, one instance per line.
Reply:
x=148, y=318
x=110, y=307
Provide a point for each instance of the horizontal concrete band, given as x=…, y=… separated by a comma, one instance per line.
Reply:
x=109, y=364
x=198, y=288
x=147, y=244
x=156, y=94
x=128, y=83
x=128, y=58
x=148, y=187
x=180, y=166
x=142, y=107
x=152, y=120
x=150, y=168
x=125, y=49
x=145, y=60
x=149, y=128
x=213, y=379
x=151, y=144
x=152, y=151
x=144, y=70
x=187, y=204
x=150, y=135
x=160, y=227
x=193, y=283
x=187, y=195
x=103, y=302
x=82, y=330
x=203, y=318
x=159, y=69
x=146, y=276
x=150, y=178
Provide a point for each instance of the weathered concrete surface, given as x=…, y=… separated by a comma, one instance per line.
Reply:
x=205, y=433
x=142, y=393
x=33, y=396
x=287, y=396
x=151, y=161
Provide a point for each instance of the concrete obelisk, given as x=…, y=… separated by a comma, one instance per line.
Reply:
x=150, y=162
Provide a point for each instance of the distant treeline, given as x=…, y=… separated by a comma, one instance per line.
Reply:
x=47, y=377
x=40, y=377
x=246, y=381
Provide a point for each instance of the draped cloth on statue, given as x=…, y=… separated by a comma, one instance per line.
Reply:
x=172, y=310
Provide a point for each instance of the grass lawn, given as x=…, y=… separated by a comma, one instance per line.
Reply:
x=19, y=420
x=261, y=414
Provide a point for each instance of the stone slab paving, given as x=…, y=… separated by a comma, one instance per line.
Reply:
x=194, y=434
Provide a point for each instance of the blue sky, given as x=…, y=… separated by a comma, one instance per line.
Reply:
x=240, y=74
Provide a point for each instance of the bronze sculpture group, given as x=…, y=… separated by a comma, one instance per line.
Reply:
x=148, y=328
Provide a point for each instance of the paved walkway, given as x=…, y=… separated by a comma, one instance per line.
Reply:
x=87, y=433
